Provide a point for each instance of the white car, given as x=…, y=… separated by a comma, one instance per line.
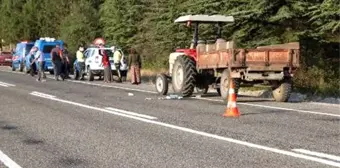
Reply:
x=94, y=65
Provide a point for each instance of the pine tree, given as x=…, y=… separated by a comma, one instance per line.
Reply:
x=81, y=25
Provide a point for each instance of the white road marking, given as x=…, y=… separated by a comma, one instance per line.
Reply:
x=6, y=84
x=108, y=86
x=8, y=161
x=288, y=109
x=277, y=108
x=42, y=94
x=325, y=104
x=318, y=154
x=131, y=113
x=116, y=87
x=235, y=141
x=3, y=85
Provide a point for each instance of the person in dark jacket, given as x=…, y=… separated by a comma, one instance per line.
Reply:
x=57, y=58
x=135, y=63
x=66, y=63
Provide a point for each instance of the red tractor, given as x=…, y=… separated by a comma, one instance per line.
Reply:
x=218, y=63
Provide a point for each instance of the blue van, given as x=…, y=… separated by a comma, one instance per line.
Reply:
x=18, y=59
x=46, y=45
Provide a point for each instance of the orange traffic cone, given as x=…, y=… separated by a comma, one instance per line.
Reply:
x=231, y=110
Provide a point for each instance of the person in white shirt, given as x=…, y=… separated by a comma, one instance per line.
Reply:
x=39, y=56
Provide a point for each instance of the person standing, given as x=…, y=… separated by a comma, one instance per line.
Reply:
x=106, y=64
x=56, y=56
x=81, y=61
x=66, y=62
x=32, y=61
x=39, y=56
x=135, y=63
x=117, y=56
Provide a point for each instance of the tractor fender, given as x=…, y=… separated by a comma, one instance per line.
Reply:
x=172, y=59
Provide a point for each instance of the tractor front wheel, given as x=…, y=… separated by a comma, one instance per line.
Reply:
x=184, y=75
x=162, y=84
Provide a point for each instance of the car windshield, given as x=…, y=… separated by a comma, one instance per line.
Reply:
x=48, y=48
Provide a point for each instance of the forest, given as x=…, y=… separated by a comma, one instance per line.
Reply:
x=148, y=26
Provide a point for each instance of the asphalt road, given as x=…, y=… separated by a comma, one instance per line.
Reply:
x=91, y=124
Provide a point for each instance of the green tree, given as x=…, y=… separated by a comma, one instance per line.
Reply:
x=325, y=17
x=121, y=20
x=81, y=25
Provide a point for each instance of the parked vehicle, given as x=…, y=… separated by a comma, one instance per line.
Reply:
x=5, y=58
x=19, y=55
x=94, y=66
x=46, y=45
x=216, y=64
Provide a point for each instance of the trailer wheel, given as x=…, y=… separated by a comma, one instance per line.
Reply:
x=282, y=91
x=224, y=84
x=184, y=76
x=162, y=84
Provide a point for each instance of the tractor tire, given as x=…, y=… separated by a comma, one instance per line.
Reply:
x=90, y=75
x=282, y=92
x=224, y=85
x=184, y=76
x=162, y=84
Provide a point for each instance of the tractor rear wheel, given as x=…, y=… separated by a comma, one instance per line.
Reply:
x=224, y=84
x=184, y=75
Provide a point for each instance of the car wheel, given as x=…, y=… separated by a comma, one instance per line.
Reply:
x=90, y=75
